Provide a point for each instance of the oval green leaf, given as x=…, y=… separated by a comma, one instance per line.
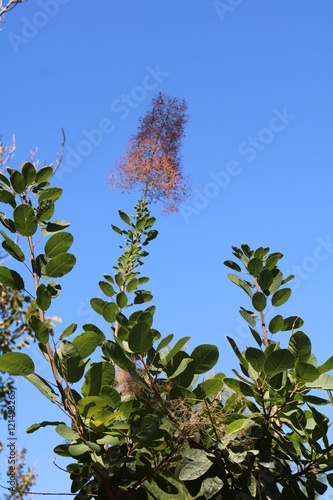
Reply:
x=276, y=324
x=11, y=278
x=204, y=357
x=43, y=297
x=43, y=174
x=17, y=181
x=29, y=173
x=281, y=296
x=25, y=220
x=140, y=338
x=58, y=243
x=279, y=361
x=259, y=301
x=60, y=265
x=121, y=299
x=254, y=266
x=16, y=363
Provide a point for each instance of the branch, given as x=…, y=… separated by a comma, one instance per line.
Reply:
x=60, y=156
x=7, y=8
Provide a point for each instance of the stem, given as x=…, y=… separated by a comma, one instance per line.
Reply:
x=42, y=318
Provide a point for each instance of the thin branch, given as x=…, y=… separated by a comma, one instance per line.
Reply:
x=60, y=156
x=7, y=8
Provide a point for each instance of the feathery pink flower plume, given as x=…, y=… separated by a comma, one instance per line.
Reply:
x=152, y=161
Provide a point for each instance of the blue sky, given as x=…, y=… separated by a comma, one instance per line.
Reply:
x=258, y=80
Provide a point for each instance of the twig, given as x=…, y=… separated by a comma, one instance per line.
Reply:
x=60, y=156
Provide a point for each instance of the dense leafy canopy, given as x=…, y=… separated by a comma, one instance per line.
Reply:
x=148, y=419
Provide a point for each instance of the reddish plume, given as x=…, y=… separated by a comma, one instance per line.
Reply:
x=152, y=161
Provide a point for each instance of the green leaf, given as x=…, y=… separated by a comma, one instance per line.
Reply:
x=4, y=180
x=50, y=194
x=68, y=362
x=195, y=469
x=40, y=329
x=324, y=382
x=113, y=351
x=57, y=244
x=132, y=285
x=43, y=174
x=292, y=323
x=11, y=247
x=99, y=375
x=327, y=366
x=277, y=281
x=90, y=403
x=109, y=312
x=272, y=259
x=265, y=280
x=180, y=368
x=60, y=265
x=254, y=266
x=140, y=338
x=232, y=265
x=8, y=223
x=306, y=372
x=66, y=432
x=276, y=324
x=42, y=386
x=259, y=301
x=86, y=343
x=121, y=299
x=300, y=346
x=241, y=283
x=256, y=358
x=281, y=296
x=7, y=197
x=43, y=298
x=111, y=395
x=142, y=296
x=29, y=173
x=261, y=252
x=239, y=387
x=68, y=330
x=89, y=327
x=54, y=288
x=164, y=342
x=11, y=278
x=210, y=388
x=17, y=181
x=278, y=361
x=106, y=288
x=248, y=316
x=237, y=352
x=53, y=226
x=16, y=363
x=176, y=348
x=45, y=210
x=124, y=217
x=98, y=305
x=116, y=229
x=237, y=425
x=25, y=220
x=35, y=427
x=204, y=357
x=76, y=450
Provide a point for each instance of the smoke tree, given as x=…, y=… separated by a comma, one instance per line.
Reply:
x=142, y=416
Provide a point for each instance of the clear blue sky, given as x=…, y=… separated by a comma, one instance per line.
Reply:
x=258, y=80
